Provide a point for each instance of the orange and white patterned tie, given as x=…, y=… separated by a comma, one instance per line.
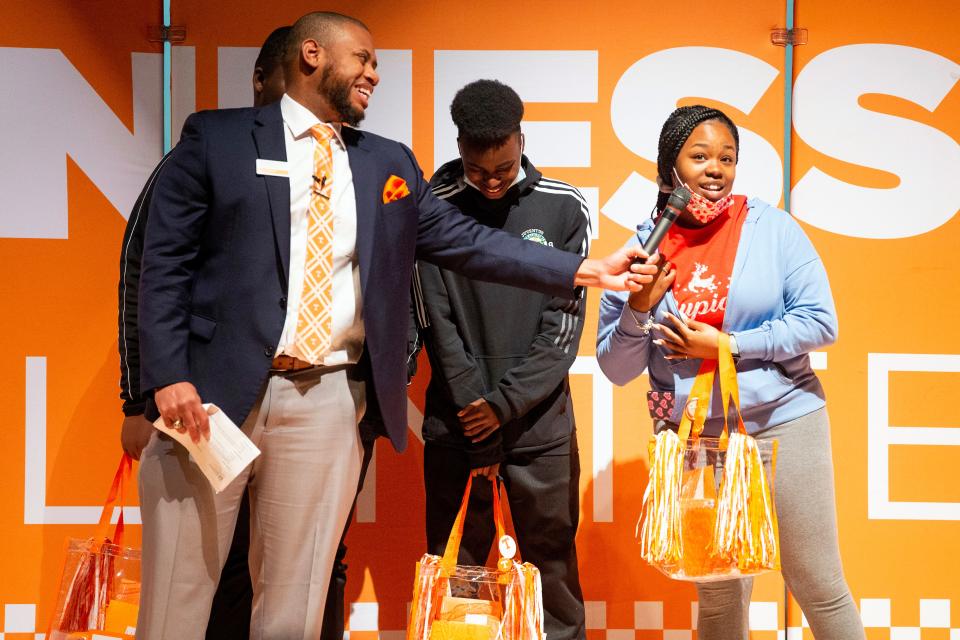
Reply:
x=316, y=301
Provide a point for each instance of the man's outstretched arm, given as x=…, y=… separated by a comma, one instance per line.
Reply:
x=451, y=240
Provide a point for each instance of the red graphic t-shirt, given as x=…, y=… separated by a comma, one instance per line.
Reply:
x=704, y=258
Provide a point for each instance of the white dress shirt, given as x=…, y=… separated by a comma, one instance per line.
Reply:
x=347, y=322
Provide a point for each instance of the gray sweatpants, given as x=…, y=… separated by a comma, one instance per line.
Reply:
x=809, y=552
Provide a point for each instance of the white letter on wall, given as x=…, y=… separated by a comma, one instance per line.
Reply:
x=602, y=443
x=43, y=122
x=828, y=118
x=881, y=436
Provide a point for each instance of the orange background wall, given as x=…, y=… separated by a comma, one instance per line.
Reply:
x=894, y=296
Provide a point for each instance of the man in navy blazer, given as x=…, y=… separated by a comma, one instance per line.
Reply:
x=221, y=281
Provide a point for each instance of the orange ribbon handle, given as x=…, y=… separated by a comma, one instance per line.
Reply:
x=497, y=512
x=728, y=388
x=700, y=392
x=115, y=497
x=498, y=519
x=450, y=554
x=449, y=562
x=700, y=397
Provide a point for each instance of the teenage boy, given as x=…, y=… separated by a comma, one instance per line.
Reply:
x=499, y=399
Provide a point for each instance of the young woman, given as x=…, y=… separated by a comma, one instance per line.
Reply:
x=745, y=268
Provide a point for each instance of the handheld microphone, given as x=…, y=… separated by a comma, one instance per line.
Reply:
x=678, y=202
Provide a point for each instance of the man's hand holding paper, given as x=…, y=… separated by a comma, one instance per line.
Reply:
x=180, y=409
x=222, y=453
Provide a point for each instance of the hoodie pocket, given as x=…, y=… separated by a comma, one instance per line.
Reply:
x=762, y=383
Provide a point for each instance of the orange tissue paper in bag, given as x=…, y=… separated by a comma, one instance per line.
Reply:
x=698, y=520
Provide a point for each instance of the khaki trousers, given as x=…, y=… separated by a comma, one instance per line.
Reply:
x=301, y=489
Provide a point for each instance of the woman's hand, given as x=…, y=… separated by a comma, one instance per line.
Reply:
x=693, y=339
x=644, y=300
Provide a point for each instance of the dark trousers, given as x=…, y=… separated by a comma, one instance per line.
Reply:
x=544, y=496
x=230, y=613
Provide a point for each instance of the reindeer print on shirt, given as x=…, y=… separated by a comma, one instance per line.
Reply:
x=698, y=284
x=704, y=294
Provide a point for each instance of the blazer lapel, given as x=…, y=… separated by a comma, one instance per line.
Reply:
x=367, y=194
x=268, y=136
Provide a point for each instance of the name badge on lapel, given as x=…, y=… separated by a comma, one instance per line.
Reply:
x=273, y=168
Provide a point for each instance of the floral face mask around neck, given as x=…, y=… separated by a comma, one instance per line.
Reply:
x=702, y=209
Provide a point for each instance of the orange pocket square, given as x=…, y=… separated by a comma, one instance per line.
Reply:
x=395, y=189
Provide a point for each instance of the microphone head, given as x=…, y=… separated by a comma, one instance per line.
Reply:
x=679, y=198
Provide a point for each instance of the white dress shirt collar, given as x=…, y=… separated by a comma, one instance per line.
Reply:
x=300, y=120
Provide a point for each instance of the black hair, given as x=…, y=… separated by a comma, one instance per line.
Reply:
x=486, y=113
x=677, y=128
x=319, y=25
x=273, y=49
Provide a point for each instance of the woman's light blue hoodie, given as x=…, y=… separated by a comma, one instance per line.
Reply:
x=779, y=308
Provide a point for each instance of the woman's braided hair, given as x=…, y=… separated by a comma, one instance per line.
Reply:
x=677, y=128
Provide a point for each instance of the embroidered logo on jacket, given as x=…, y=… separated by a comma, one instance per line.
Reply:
x=536, y=235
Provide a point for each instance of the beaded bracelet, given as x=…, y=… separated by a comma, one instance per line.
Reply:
x=647, y=325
